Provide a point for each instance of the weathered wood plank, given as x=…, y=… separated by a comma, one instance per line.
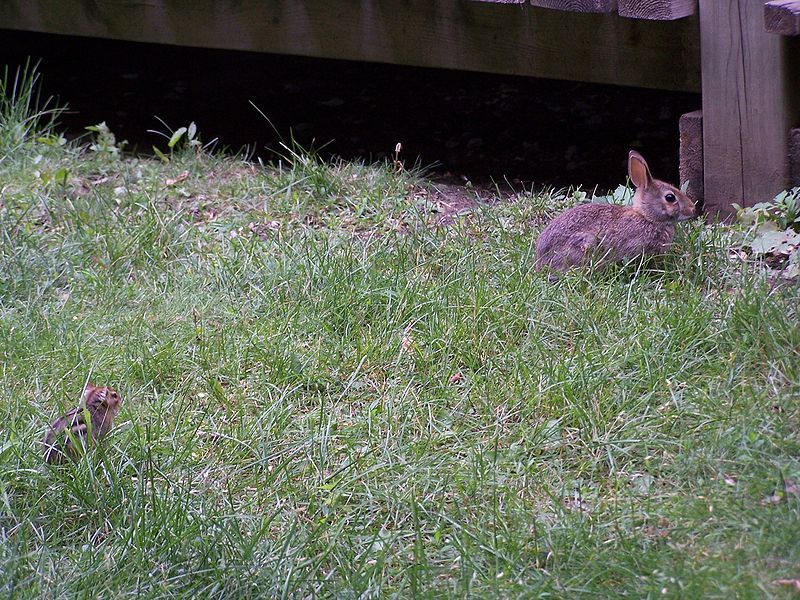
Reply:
x=745, y=106
x=690, y=160
x=583, y=6
x=782, y=16
x=658, y=10
x=794, y=157
x=475, y=36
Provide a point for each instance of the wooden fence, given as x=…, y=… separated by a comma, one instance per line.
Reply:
x=743, y=56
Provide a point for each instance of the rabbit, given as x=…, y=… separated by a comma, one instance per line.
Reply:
x=82, y=426
x=609, y=232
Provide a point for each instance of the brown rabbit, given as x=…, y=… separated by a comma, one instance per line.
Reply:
x=609, y=232
x=69, y=436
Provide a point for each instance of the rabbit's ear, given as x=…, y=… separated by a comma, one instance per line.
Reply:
x=638, y=170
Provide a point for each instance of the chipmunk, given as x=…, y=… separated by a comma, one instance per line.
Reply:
x=73, y=433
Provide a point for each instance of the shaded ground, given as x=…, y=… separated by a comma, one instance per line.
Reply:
x=470, y=126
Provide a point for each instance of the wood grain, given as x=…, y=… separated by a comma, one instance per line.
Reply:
x=582, y=6
x=690, y=163
x=746, y=107
x=782, y=16
x=659, y=10
x=476, y=36
x=794, y=157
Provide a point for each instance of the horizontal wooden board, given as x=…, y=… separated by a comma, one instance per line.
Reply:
x=476, y=36
x=659, y=10
x=583, y=6
x=782, y=16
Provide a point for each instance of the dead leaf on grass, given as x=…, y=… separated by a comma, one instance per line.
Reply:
x=660, y=530
x=178, y=179
x=262, y=229
x=576, y=503
x=407, y=341
x=456, y=377
x=790, y=488
x=793, y=583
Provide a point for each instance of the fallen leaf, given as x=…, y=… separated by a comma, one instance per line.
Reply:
x=769, y=241
x=456, y=378
x=790, y=488
x=795, y=583
x=407, y=341
x=656, y=532
x=641, y=482
x=575, y=502
x=178, y=179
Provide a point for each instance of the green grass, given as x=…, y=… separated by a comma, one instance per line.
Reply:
x=327, y=394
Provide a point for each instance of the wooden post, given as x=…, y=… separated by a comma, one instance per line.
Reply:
x=794, y=156
x=746, y=106
x=690, y=160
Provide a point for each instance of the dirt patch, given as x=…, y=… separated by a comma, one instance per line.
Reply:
x=448, y=201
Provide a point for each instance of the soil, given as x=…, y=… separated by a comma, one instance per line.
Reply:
x=464, y=126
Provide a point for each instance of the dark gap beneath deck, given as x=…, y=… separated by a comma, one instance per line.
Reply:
x=472, y=126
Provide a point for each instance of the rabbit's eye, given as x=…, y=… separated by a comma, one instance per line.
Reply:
x=670, y=198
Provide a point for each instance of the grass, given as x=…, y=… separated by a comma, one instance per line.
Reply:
x=328, y=394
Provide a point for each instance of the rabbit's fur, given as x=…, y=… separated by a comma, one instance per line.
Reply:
x=608, y=233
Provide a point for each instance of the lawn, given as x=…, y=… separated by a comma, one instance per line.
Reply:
x=340, y=380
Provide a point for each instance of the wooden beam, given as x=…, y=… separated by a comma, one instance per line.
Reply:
x=782, y=16
x=690, y=159
x=475, y=36
x=746, y=106
x=583, y=6
x=657, y=10
x=794, y=157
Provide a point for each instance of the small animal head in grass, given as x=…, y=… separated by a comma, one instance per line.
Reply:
x=656, y=199
x=72, y=434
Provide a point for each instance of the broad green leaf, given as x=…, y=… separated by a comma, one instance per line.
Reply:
x=770, y=242
x=176, y=136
